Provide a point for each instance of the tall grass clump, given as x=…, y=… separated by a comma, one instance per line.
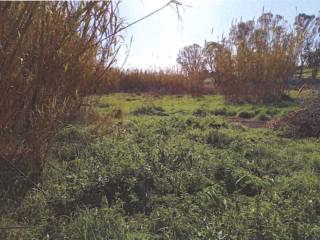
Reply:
x=52, y=55
x=258, y=57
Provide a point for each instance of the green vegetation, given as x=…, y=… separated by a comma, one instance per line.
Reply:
x=187, y=173
x=184, y=104
x=74, y=165
x=307, y=74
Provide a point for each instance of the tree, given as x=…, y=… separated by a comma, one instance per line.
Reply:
x=211, y=51
x=314, y=62
x=308, y=27
x=191, y=59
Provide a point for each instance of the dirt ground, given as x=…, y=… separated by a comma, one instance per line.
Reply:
x=247, y=122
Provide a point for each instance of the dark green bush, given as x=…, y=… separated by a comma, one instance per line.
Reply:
x=200, y=112
x=224, y=112
x=263, y=117
x=150, y=110
x=246, y=114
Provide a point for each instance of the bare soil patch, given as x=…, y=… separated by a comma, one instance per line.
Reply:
x=247, y=122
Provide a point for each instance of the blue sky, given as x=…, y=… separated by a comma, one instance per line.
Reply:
x=157, y=40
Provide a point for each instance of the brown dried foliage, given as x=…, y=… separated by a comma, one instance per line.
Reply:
x=257, y=59
x=51, y=55
x=301, y=123
x=152, y=81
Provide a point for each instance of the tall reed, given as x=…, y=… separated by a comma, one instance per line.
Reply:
x=153, y=81
x=257, y=59
x=52, y=54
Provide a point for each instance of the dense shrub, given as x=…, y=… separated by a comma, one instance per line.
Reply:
x=256, y=60
x=150, y=110
x=263, y=117
x=224, y=112
x=246, y=114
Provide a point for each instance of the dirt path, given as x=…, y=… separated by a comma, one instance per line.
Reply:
x=247, y=122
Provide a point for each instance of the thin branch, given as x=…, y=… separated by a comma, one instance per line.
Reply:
x=127, y=53
x=176, y=3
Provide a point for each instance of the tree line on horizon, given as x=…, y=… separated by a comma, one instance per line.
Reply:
x=258, y=57
x=253, y=63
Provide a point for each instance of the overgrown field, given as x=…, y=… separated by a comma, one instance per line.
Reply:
x=172, y=167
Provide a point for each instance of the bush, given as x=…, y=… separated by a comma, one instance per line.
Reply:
x=255, y=61
x=246, y=114
x=263, y=117
x=224, y=112
x=150, y=110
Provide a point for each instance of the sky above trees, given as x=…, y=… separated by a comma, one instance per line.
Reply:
x=157, y=40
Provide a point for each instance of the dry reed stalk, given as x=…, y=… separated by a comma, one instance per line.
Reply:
x=52, y=56
x=257, y=59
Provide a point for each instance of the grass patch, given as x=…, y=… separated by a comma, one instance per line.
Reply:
x=218, y=139
x=182, y=176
